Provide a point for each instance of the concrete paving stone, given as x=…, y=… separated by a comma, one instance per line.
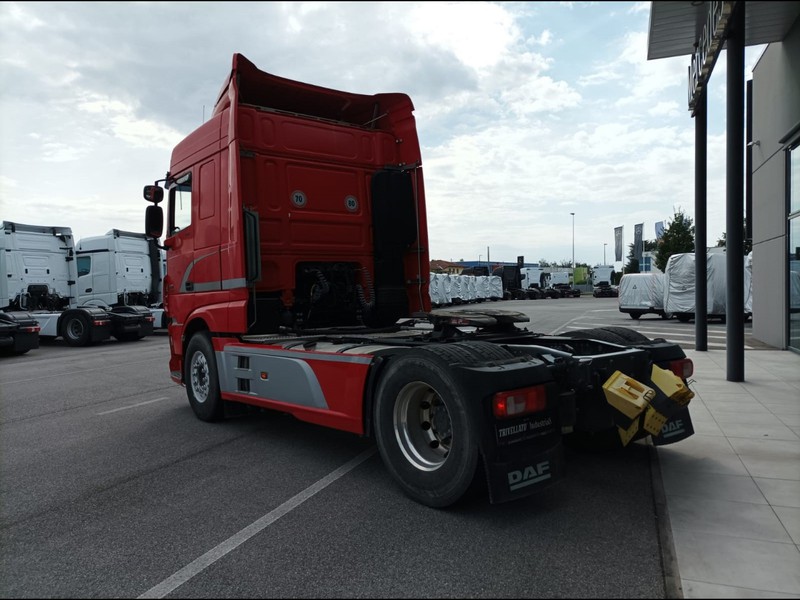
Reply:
x=714, y=486
x=777, y=431
x=778, y=459
x=701, y=589
x=780, y=492
x=738, y=562
x=726, y=518
x=790, y=517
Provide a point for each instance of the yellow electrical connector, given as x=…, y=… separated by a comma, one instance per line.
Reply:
x=653, y=421
x=671, y=385
x=627, y=395
x=626, y=435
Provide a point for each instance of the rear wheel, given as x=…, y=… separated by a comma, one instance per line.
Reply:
x=629, y=335
x=128, y=336
x=426, y=434
x=75, y=330
x=200, y=376
x=595, y=334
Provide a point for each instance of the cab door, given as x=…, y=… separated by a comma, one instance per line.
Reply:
x=179, y=241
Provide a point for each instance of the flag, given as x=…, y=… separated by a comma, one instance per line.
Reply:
x=659, y=229
x=618, y=243
x=637, y=242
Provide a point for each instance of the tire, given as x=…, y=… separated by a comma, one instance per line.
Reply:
x=596, y=334
x=666, y=316
x=200, y=377
x=426, y=434
x=627, y=334
x=75, y=330
x=128, y=337
x=683, y=317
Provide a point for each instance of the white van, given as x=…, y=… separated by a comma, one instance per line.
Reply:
x=642, y=293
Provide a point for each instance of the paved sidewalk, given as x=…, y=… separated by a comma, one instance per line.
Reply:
x=733, y=489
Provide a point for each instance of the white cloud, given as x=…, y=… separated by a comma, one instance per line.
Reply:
x=520, y=124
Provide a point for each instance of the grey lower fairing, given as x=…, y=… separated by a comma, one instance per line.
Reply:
x=276, y=375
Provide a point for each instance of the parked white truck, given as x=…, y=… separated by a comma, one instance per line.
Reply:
x=39, y=276
x=121, y=268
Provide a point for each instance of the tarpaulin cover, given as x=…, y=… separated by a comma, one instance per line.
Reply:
x=679, y=284
x=641, y=291
x=445, y=288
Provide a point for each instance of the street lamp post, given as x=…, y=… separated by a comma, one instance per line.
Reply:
x=573, y=241
x=604, y=253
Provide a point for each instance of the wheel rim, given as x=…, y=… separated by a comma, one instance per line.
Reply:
x=423, y=427
x=75, y=329
x=198, y=370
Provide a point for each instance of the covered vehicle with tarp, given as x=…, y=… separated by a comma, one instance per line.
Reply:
x=641, y=294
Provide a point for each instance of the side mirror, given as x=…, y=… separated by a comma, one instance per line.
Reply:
x=154, y=220
x=153, y=193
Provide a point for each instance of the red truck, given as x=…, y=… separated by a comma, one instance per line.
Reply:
x=297, y=281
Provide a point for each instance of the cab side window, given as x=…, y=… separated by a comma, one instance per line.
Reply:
x=180, y=204
x=84, y=265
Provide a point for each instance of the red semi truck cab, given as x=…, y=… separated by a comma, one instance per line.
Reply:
x=297, y=280
x=295, y=206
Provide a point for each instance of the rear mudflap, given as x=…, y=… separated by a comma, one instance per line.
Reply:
x=525, y=473
x=521, y=455
x=678, y=427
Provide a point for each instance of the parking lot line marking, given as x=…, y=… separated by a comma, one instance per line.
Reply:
x=196, y=566
x=108, y=412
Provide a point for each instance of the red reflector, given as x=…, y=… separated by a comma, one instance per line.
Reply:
x=151, y=319
x=101, y=322
x=683, y=368
x=515, y=403
x=31, y=329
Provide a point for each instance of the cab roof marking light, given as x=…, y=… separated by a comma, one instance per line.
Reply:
x=515, y=403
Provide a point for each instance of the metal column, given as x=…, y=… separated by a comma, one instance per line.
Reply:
x=734, y=202
x=700, y=223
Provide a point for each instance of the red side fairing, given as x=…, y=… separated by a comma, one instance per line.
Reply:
x=338, y=381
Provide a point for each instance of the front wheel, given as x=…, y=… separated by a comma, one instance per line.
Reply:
x=425, y=433
x=200, y=377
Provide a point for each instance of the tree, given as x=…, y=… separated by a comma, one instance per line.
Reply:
x=678, y=238
x=748, y=243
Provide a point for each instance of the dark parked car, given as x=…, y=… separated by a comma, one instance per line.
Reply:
x=565, y=290
x=605, y=290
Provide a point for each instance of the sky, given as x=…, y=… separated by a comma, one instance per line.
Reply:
x=526, y=111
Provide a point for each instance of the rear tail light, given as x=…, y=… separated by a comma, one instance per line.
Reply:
x=31, y=329
x=99, y=322
x=683, y=368
x=515, y=403
x=151, y=319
